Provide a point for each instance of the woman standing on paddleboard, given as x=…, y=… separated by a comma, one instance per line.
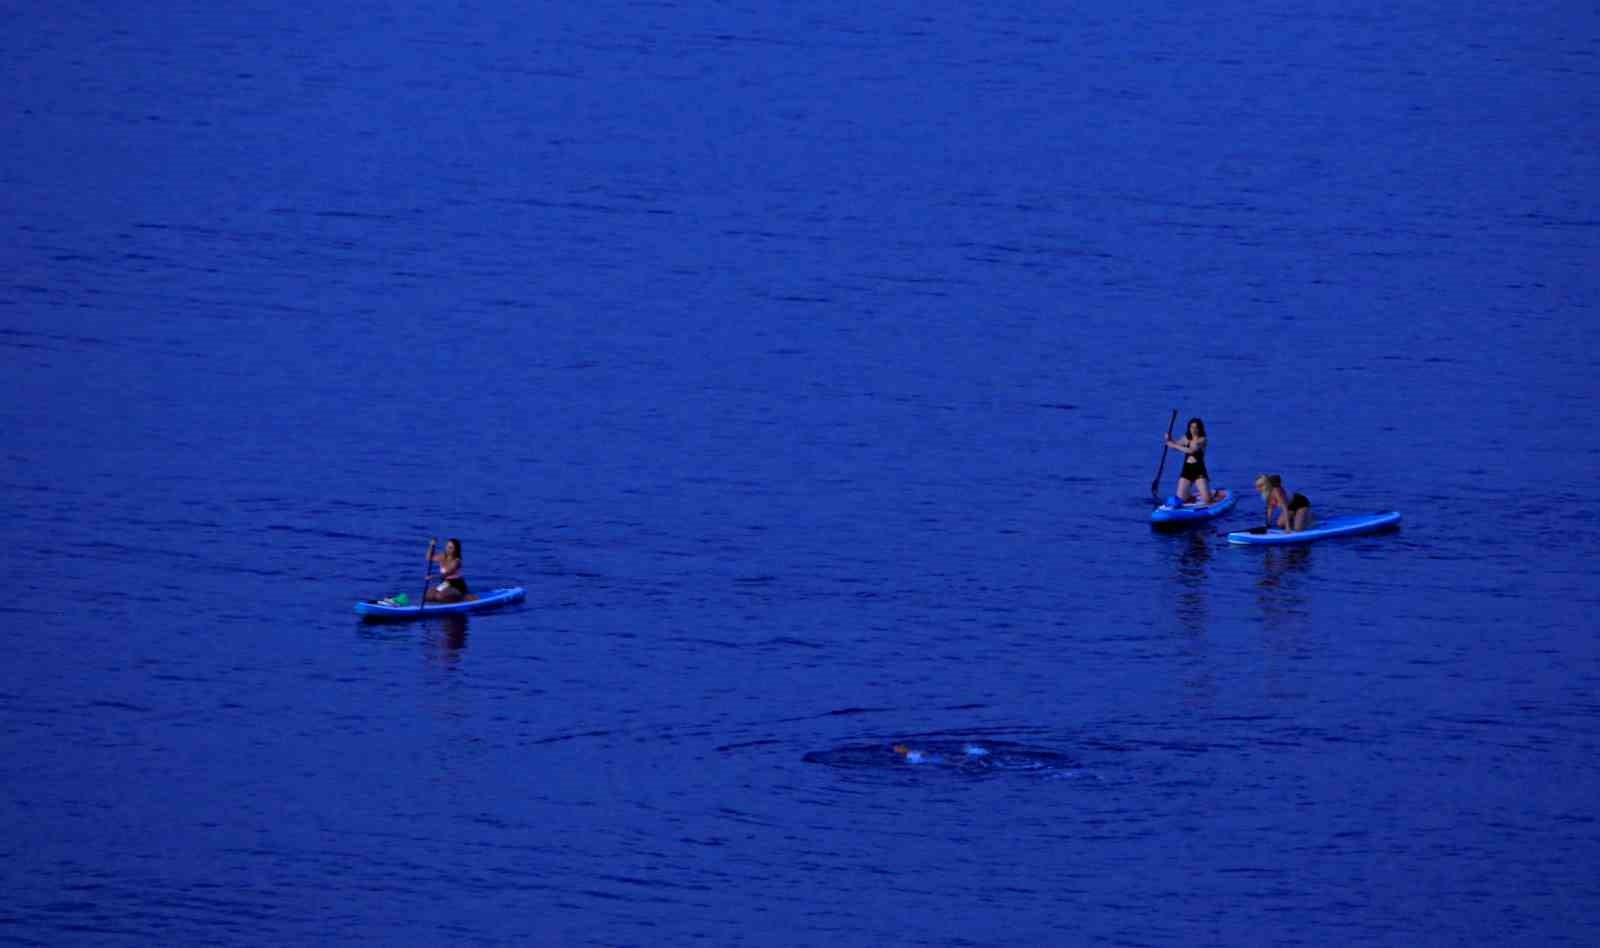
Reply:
x=452, y=586
x=1194, y=470
x=1294, y=512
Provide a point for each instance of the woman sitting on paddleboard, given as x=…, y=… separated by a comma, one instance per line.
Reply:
x=1294, y=512
x=452, y=586
x=1194, y=470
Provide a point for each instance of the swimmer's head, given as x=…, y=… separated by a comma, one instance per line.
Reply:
x=902, y=749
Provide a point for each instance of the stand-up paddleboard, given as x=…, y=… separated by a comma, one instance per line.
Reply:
x=390, y=609
x=1169, y=517
x=1321, y=530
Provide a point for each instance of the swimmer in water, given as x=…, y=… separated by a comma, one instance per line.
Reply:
x=920, y=757
x=916, y=756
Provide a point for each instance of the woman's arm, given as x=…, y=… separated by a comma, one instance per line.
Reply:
x=1186, y=446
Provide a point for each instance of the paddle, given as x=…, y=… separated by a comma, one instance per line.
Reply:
x=427, y=568
x=1256, y=530
x=1163, y=467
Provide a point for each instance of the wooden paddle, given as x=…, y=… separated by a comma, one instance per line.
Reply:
x=427, y=568
x=1163, y=466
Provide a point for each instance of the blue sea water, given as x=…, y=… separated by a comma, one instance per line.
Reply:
x=808, y=366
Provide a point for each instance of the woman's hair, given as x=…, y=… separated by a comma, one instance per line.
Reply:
x=458, y=546
x=1266, y=482
x=1195, y=423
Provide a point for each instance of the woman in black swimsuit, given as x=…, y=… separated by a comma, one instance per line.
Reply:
x=1294, y=512
x=1194, y=470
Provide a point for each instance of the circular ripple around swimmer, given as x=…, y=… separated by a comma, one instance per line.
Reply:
x=974, y=759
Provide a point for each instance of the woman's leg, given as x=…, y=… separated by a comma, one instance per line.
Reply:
x=1183, y=490
x=1302, y=518
x=1203, y=486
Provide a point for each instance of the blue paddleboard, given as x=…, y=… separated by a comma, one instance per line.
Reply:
x=1322, y=529
x=1167, y=515
x=384, y=609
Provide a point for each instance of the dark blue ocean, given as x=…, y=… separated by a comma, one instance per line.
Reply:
x=808, y=365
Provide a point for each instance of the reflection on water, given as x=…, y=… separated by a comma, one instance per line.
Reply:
x=1285, y=618
x=1281, y=562
x=1193, y=556
x=1192, y=573
x=447, y=637
x=443, y=638
x=1278, y=589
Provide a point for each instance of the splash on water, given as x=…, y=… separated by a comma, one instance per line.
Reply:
x=966, y=758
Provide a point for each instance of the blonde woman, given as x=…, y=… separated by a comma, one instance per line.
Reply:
x=1294, y=511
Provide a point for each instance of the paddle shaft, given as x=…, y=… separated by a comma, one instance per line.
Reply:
x=1163, y=466
x=427, y=568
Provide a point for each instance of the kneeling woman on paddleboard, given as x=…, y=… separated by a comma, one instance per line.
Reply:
x=452, y=586
x=1194, y=470
x=1294, y=512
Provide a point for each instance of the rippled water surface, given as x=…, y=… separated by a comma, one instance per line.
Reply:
x=807, y=366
